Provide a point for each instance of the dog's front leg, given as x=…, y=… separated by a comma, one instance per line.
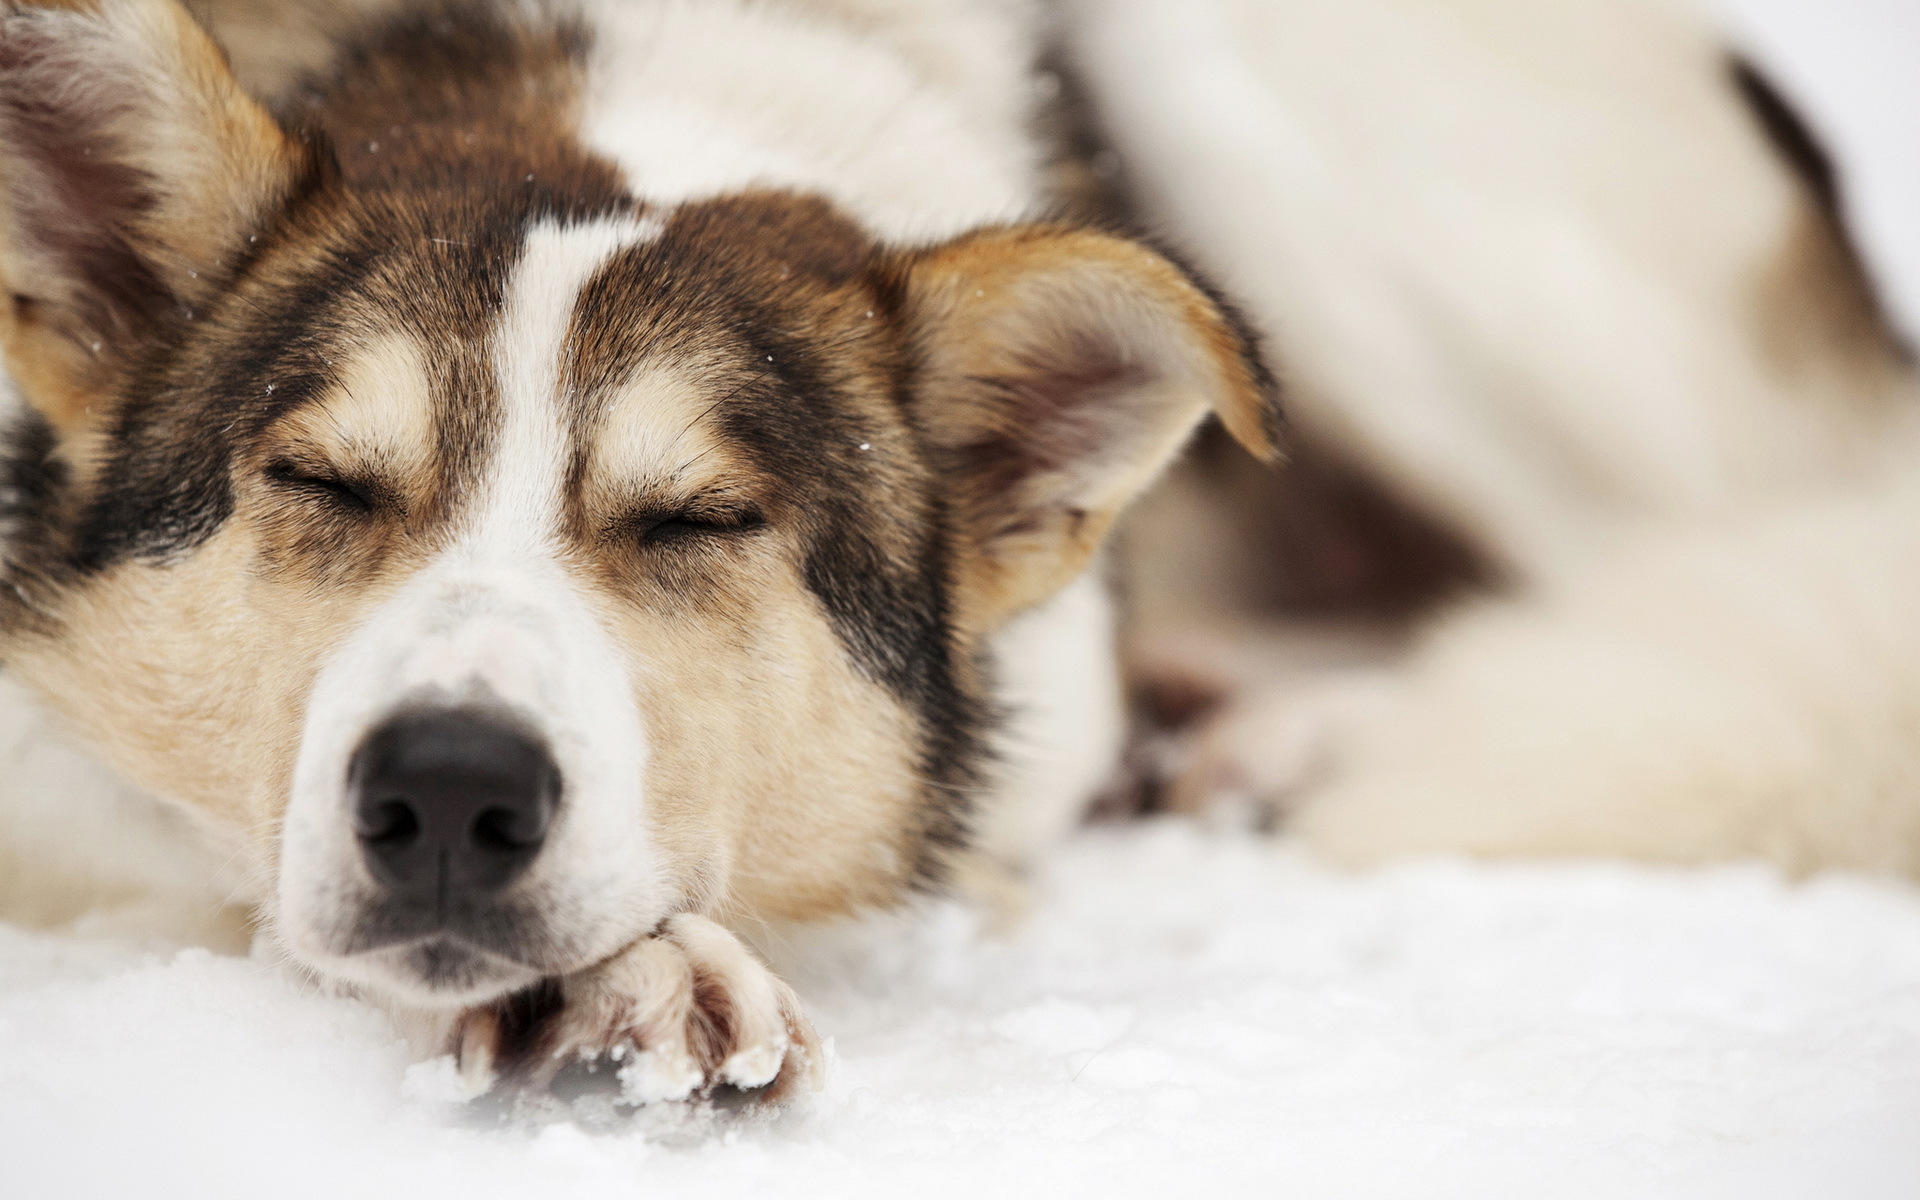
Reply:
x=676, y=1014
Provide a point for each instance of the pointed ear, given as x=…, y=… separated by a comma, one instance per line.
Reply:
x=1058, y=373
x=132, y=169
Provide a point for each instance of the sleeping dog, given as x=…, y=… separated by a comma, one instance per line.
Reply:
x=540, y=483
x=542, y=488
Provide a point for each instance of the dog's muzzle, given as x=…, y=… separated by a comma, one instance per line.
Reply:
x=468, y=811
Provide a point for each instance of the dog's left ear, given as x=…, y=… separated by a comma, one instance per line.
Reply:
x=132, y=169
x=1058, y=372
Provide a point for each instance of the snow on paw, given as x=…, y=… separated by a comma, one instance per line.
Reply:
x=676, y=1015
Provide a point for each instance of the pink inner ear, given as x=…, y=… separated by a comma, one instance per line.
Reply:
x=72, y=208
x=1058, y=417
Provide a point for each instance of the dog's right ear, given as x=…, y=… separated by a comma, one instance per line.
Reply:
x=132, y=171
x=1058, y=371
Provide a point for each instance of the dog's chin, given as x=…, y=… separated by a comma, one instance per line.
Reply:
x=432, y=973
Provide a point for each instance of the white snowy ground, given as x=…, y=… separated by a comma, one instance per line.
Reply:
x=1182, y=1012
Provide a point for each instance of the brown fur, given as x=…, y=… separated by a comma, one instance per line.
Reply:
x=169, y=180
x=1027, y=329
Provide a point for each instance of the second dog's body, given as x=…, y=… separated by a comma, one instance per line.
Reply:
x=1571, y=282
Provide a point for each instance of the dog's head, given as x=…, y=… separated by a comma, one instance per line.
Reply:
x=514, y=563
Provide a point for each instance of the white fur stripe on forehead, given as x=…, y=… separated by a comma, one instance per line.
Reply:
x=520, y=494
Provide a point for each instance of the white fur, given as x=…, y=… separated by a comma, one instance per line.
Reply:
x=1507, y=251
x=1747, y=688
x=911, y=115
x=1059, y=681
x=81, y=848
x=494, y=616
x=1512, y=256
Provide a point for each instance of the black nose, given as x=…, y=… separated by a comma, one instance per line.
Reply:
x=451, y=803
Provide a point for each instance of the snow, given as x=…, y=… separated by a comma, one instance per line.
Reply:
x=1179, y=1008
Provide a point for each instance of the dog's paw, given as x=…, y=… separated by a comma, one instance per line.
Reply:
x=675, y=1016
x=1253, y=760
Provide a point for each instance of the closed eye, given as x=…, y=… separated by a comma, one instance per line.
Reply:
x=662, y=528
x=343, y=493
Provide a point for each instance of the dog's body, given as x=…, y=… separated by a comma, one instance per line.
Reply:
x=664, y=421
x=1574, y=282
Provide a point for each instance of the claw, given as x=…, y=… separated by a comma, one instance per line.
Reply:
x=756, y=1066
x=479, y=1035
x=655, y=1078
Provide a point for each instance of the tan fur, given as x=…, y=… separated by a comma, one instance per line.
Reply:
x=1014, y=316
x=272, y=44
x=158, y=666
x=1819, y=324
x=810, y=810
x=218, y=162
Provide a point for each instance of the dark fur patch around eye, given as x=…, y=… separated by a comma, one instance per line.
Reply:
x=778, y=288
